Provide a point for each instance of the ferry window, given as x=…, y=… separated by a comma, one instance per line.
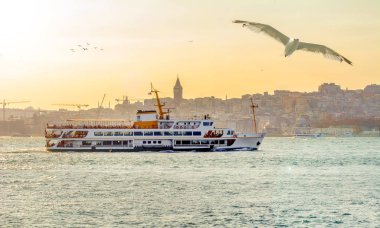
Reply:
x=205, y=142
x=178, y=142
x=149, y=142
x=196, y=142
x=214, y=142
x=205, y=123
x=154, y=142
x=221, y=141
x=148, y=133
x=109, y=133
x=106, y=143
x=196, y=133
x=157, y=133
x=80, y=134
x=116, y=143
x=68, y=134
x=211, y=123
x=118, y=133
x=99, y=143
x=159, y=142
x=144, y=142
x=177, y=133
x=188, y=133
x=185, y=142
x=98, y=133
x=168, y=133
x=128, y=133
x=86, y=143
x=138, y=133
x=125, y=142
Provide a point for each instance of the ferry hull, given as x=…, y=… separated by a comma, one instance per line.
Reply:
x=241, y=143
x=163, y=150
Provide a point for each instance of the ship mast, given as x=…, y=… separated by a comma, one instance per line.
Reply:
x=253, y=106
x=159, y=105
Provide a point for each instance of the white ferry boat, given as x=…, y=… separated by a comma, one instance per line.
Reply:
x=306, y=132
x=151, y=131
x=312, y=135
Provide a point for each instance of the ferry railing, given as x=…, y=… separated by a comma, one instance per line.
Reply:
x=88, y=127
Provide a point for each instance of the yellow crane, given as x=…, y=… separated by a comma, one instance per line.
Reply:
x=5, y=103
x=79, y=106
x=159, y=105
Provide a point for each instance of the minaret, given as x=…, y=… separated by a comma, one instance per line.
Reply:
x=177, y=90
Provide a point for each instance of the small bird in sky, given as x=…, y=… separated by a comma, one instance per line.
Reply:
x=291, y=45
x=86, y=47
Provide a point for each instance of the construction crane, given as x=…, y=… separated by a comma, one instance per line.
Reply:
x=79, y=106
x=5, y=103
x=101, y=104
x=100, y=107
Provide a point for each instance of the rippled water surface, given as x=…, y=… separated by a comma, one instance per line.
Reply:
x=288, y=182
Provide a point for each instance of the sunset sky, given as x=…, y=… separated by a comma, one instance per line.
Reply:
x=154, y=40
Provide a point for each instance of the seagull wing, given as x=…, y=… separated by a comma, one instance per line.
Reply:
x=325, y=51
x=266, y=29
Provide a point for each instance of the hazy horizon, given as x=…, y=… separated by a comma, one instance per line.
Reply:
x=151, y=41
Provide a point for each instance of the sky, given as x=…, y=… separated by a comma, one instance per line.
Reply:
x=155, y=40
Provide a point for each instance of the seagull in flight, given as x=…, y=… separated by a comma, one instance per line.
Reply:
x=291, y=45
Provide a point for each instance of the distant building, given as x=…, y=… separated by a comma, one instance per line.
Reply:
x=329, y=89
x=177, y=90
x=282, y=93
x=372, y=89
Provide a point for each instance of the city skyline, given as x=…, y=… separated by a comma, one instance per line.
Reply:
x=177, y=99
x=327, y=109
x=150, y=41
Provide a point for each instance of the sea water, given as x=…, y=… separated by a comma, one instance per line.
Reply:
x=288, y=182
